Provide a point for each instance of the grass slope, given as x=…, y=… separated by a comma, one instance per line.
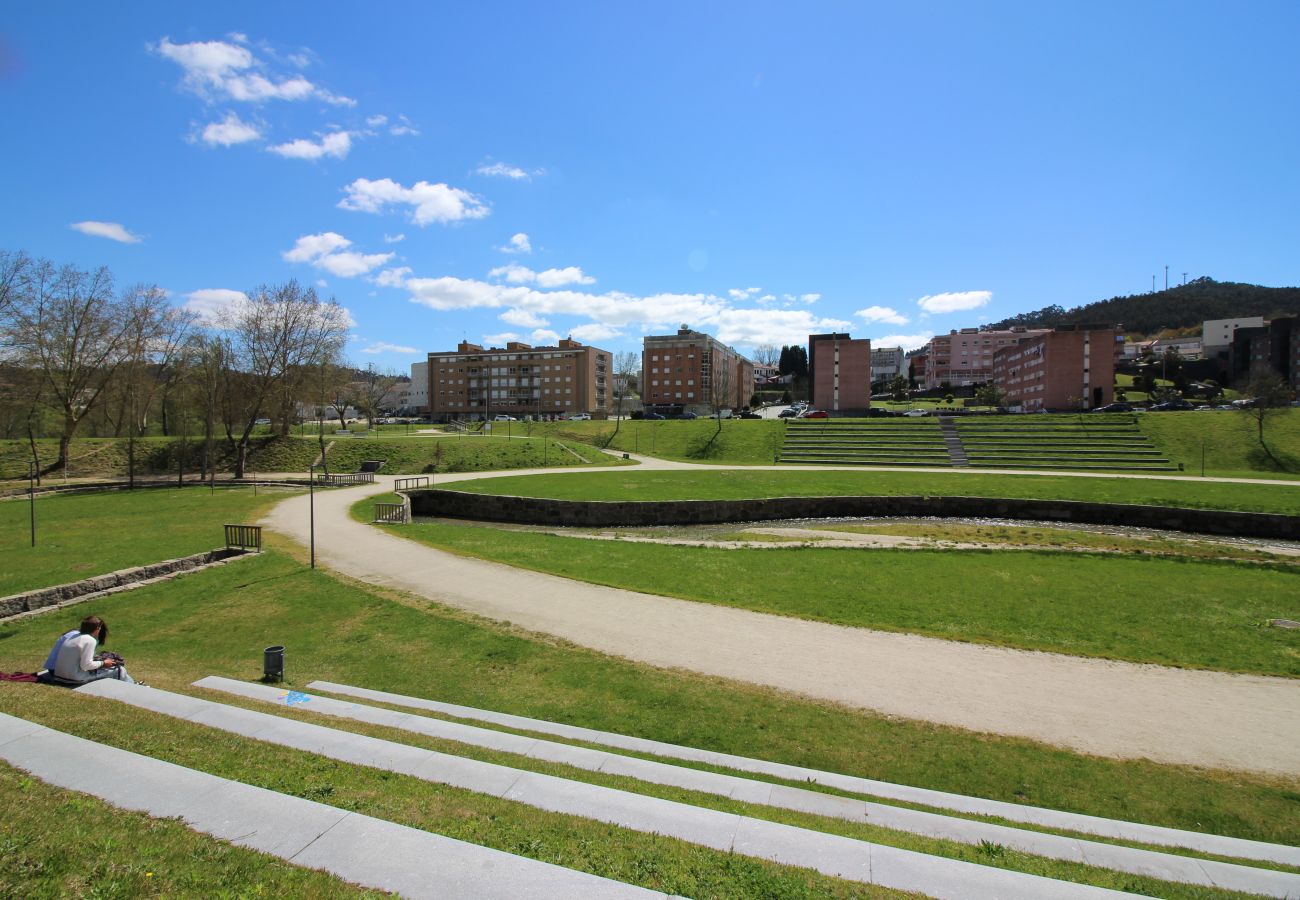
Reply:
x=1204, y=614
x=629, y=484
x=216, y=622
x=1230, y=441
x=82, y=535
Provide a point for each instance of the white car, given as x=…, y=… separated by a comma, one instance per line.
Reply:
x=504, y=418
x=580, y=417
x=914, y=413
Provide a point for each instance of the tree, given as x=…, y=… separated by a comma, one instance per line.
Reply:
x=767, y=355
x=898, y=386
x=70, y=326
x=627, y=366
x=989, y=394
x=1268, y=394
x=369, y=392
x=279, y=330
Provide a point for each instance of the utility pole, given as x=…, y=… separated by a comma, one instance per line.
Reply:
x=1153, y=284
x=1166, y=278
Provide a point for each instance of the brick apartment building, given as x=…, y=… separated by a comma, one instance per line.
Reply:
x=839, y=369
x=1066, y=368
x=966, y=357
x=691, y=371
x=519, y=380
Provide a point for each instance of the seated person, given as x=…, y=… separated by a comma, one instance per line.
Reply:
x=75, y=660
x=52, y=660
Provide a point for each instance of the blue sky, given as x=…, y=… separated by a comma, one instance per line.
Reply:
x=756, y=170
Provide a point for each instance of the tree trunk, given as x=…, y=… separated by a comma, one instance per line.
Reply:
x=241, y=456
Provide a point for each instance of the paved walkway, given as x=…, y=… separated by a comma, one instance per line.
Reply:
x=360, y=849
x=1125, y=710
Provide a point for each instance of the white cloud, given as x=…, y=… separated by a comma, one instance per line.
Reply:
x=743, y=293
x=394, y=238
x=906, y=341
x=384, y=347
x=229, y=131
x=767, y=298
x=499, y=340
x=428, y=202
x=322, y=283
x=596, y=331
x=755, y=327
x=336, y=144
x=809, y=298
x=551, y=278
x=328, y=251
x=376, y=121
x=523, y=318
x=217, y=70
x=954, y=301
x=514, y=273
x=111, y=230
x=544, y=337
x=503, y=170
x=212, y=303
x=393, y=277
x=402, y=127
x=519, y=243
x=882, y=314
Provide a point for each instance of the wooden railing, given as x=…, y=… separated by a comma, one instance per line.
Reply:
x=393, y=513
x=244, y=537
x=405, y=484
x=337, y=478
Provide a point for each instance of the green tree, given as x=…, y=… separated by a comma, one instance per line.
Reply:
x=989, y=394
x=898, y=386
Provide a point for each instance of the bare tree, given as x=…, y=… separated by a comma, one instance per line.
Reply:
x=370, y=391
x=279, y=330
x=627, y=366
x=767, y=355
x=719, y=392
x=68, y=325
x=1268, y=394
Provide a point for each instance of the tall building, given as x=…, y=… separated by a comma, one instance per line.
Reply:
x=839, y=368
x=886, y=362
x=1273, y=347
x=691, y=371
x=1071, y=367
x=1217, y=334
x=418, y=398
x=966, y=356
x=519, y=380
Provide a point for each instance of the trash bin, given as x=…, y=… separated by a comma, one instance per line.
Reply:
x=273, y=664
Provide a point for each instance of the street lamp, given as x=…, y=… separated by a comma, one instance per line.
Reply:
x=311, y=493
x=31, y=494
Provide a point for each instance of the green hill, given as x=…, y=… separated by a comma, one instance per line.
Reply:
x=1178, y=307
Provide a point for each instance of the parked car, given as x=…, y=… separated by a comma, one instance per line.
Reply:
x=788, y=413
x=654, y=416
x=816, y=414
x=502, y=417
x=686, y=415
x=1115, y=407
x=915, y=413
x=750, y=414
x=580, y=417
x=1172, y=406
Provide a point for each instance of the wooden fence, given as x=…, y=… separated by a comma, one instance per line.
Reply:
x=393, y=513
x=244, y=537
x=405, y=484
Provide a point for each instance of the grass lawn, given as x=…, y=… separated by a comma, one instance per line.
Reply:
x=1230, y=440
x=630, y=484
x=216, y=622
x=82, y=535
x=1181, y=612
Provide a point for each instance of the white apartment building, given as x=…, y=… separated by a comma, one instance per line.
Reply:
x=886, y=362
x=1216, y=334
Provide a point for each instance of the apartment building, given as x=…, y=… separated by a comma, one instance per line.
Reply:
x=966, y=357
x=417, y=399
x=1217, y=334
x=1071, y=367
x=839, y=368
x=1273, y=347
x=519, y=380
x=691, y=371
x=886, y=362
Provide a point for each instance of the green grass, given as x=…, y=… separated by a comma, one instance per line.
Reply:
x=739, y=442
x=1204, y=614
x=82, y=535
x=1230, y=440
x=217, y=621
x=107, y=457
x=629, y=484
x=58, y=843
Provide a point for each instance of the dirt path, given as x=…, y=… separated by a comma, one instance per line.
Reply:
x=1124, y=710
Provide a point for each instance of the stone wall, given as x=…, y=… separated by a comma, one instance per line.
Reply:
x=604, y=514
x=30, y=601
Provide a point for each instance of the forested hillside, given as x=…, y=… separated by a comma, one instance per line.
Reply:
x=1179, y=307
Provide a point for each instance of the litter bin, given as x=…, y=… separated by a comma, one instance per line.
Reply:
x=273, y=664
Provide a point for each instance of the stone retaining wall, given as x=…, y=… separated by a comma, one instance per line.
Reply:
x=53, y=596
x=604, y=514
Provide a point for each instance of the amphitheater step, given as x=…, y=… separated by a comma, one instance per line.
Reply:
x=839, y=857
x=360, y=849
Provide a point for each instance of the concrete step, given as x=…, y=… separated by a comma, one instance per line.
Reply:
x=360, y=849
x=1109, y=856
x=832, y=855
x=1013, y=812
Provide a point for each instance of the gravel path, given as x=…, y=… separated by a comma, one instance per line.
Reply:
x=1125, y=710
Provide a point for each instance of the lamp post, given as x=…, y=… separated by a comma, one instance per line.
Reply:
x=31, y=495
x=311, y=493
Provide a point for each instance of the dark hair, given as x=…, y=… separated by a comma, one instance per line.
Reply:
x=90, y=623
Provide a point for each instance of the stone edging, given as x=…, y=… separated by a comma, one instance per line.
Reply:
x=51, y=598
x=605, y=514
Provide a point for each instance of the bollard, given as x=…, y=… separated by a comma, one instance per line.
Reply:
x=273, y=664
